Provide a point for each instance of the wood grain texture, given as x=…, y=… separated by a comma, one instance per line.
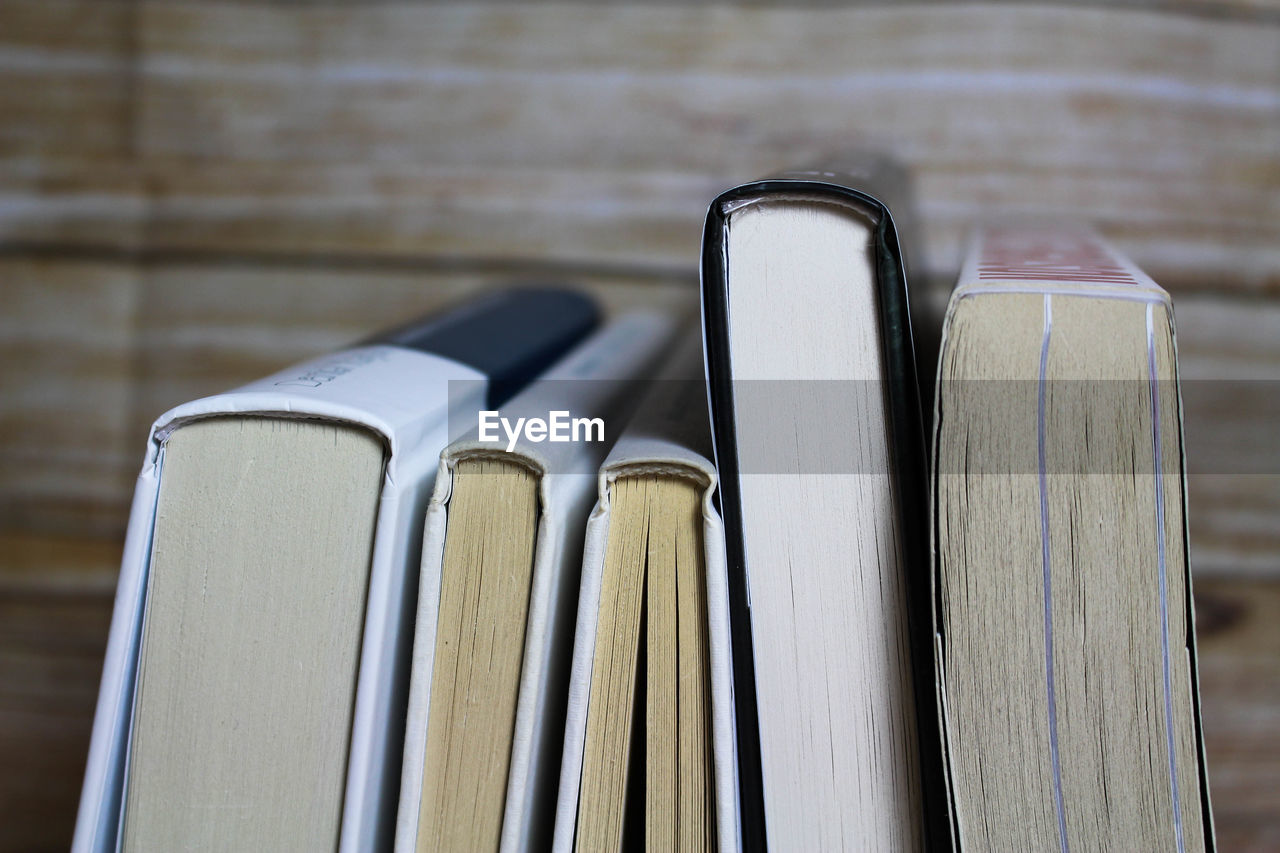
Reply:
x=573, y=131
x=67, y=345
x=1230, y=374
x=1239, y=645
x=65, y=79
x=55, y=608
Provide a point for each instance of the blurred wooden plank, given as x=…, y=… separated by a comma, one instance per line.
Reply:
x=1234, y=529
x=648, y=221
x=985, y=102
x=642, y=222
x=1225, y=338
x=401, y=55
x=55, y=608
x=1239, y=9
x=31, y=564
x=69, y=204
x=1239, y=644
x=1230, y=373
x=67, y=339
x=566, y=132
x=66, y=78
x=68, y=174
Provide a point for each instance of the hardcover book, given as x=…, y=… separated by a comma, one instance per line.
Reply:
x=819, y=447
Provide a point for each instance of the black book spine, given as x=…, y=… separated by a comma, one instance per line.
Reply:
x=511, y=336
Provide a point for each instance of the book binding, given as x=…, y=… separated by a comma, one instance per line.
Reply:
x=364, y=386
x=907, y=448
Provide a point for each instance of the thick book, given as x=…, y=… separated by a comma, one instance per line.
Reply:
x=650, y=759
x=819, y=446
x=253, y=693
x=500, y=572
x=1065, y=624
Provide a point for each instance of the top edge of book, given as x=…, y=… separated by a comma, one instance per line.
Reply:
x=863, y=187
x=863, y=175
x=1056, y=258
x=868, y=181
x=671, y=431
x=594, y=379
x=382, y=387
x=399, y=383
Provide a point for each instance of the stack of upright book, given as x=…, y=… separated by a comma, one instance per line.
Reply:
x=516, y=578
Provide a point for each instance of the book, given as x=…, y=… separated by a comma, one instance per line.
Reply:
x=1065, y=626
x=650, y=757
x=254, y=684
x=500, y=574
x=819, y=447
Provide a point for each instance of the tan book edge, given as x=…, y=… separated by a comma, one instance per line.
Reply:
x=1121, y=281
x=564, y=478
x=669, y=439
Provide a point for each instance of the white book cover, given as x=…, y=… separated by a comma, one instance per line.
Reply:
x=588, y=380
x=668, y=436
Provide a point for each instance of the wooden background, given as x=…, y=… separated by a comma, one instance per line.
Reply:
x=193, y=194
